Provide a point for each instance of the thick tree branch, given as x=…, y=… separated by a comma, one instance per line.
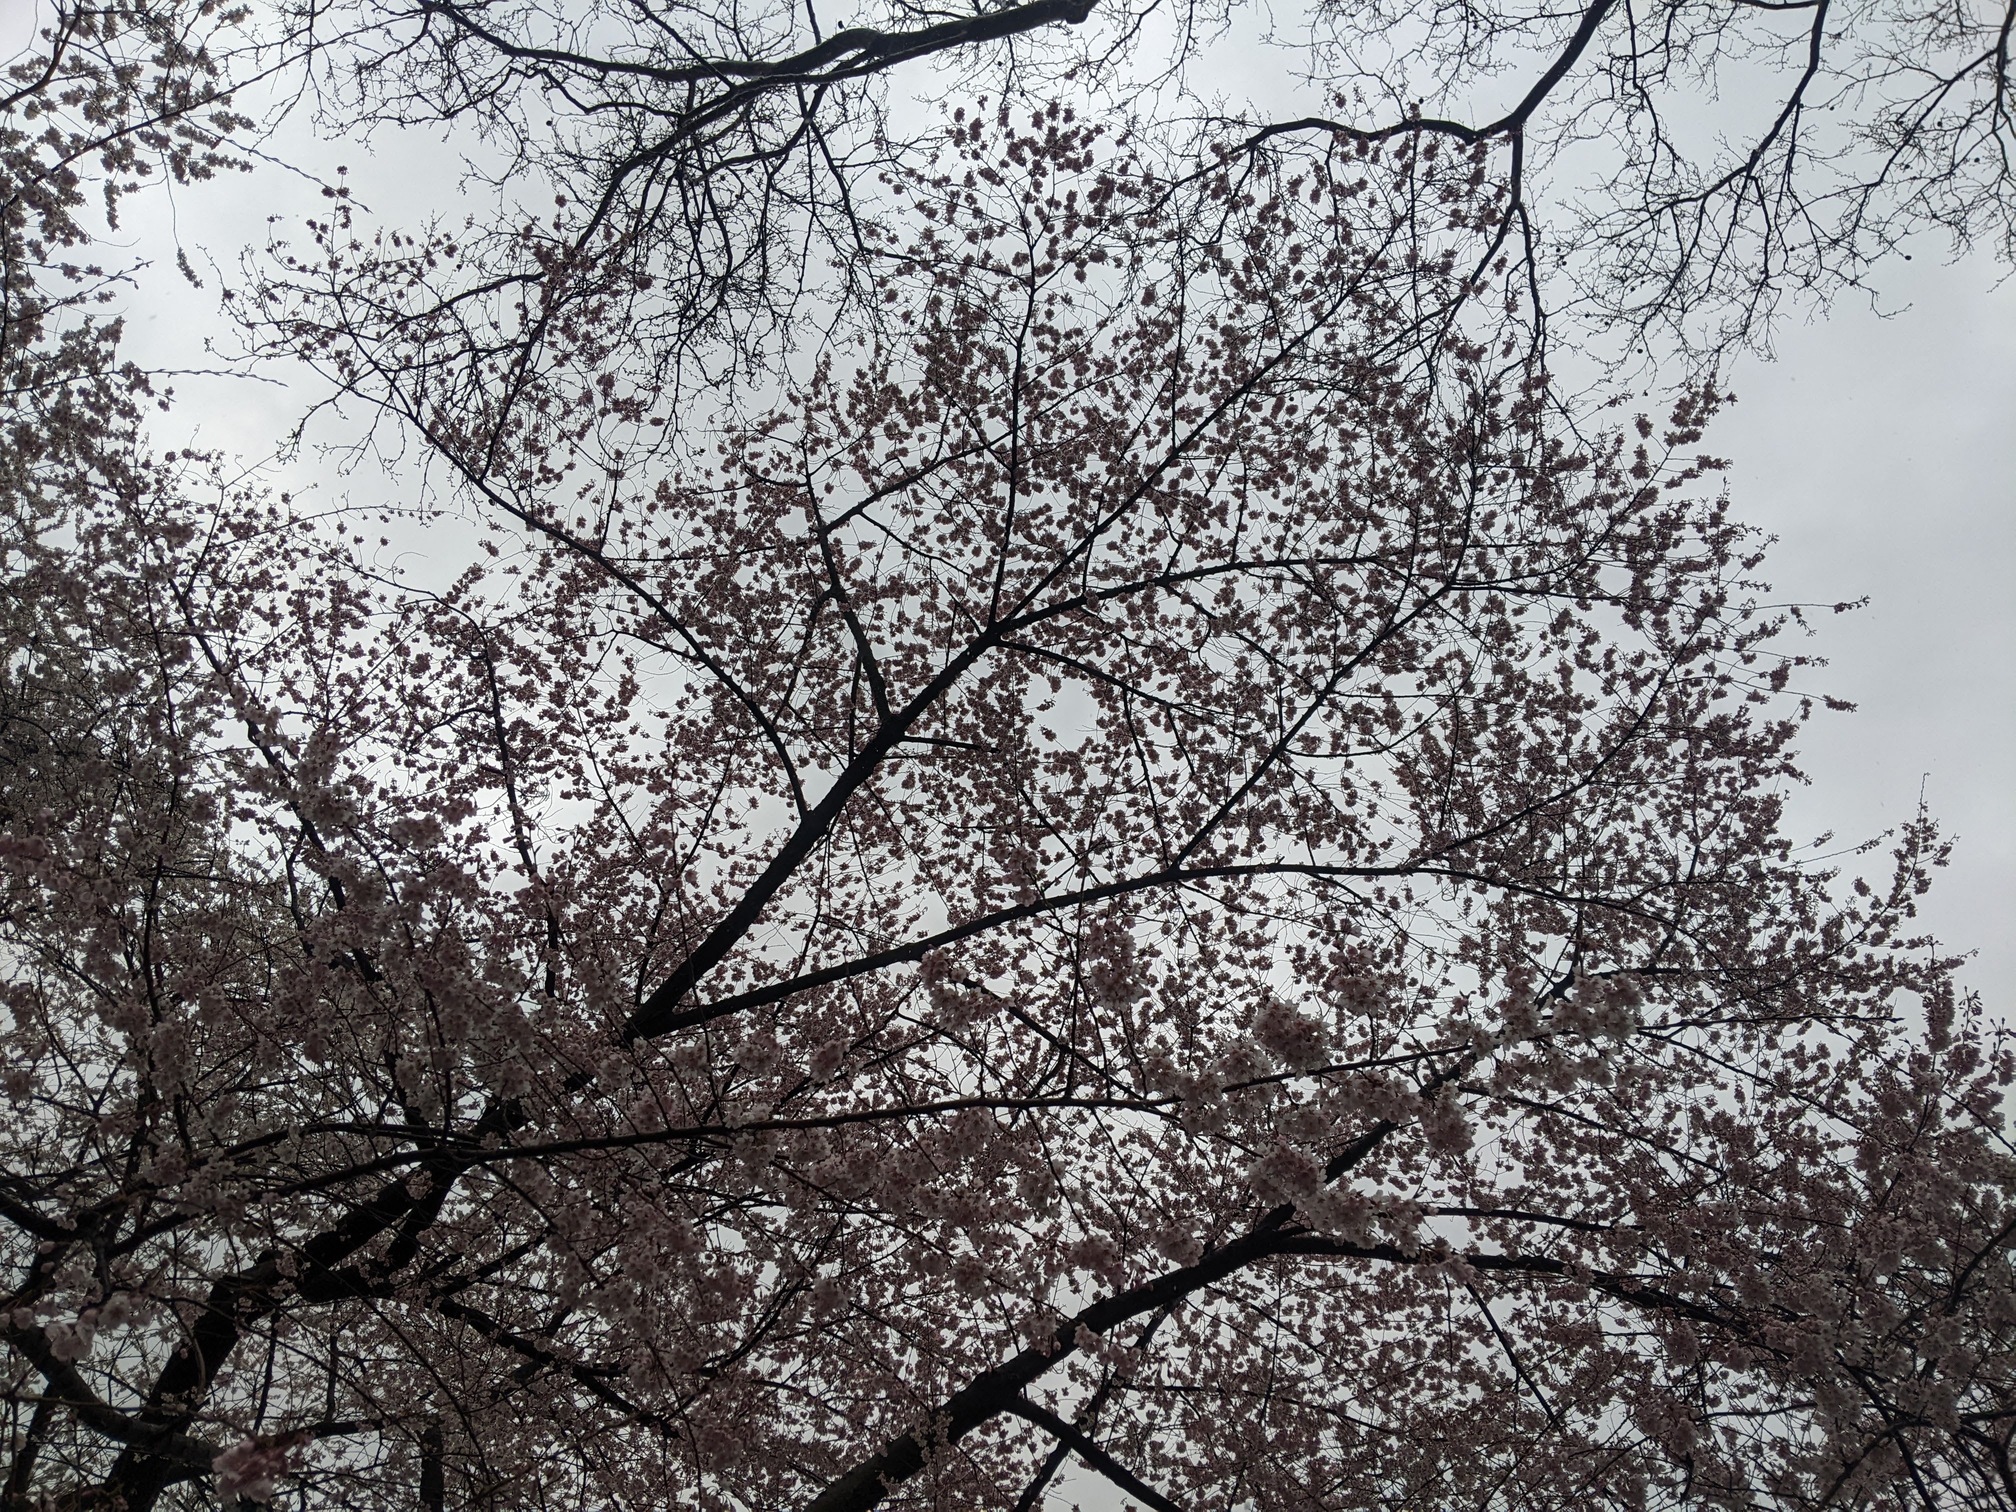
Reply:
x=1087, y=1450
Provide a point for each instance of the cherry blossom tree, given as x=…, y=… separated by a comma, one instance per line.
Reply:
x=1160, y=861
x=1675, y=171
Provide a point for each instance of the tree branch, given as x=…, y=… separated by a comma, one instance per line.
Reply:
x=1091, y=1453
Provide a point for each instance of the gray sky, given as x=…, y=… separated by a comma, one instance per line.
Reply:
x=1882, y=453
x=1879, y=447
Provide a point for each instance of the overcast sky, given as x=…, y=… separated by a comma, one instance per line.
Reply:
x=1879, y=447
x=1882, y=453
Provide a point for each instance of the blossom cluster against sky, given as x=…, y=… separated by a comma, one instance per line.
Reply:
x=1879, y=447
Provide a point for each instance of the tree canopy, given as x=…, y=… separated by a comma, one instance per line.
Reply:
x=1671, y=171
x=1133, y=841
